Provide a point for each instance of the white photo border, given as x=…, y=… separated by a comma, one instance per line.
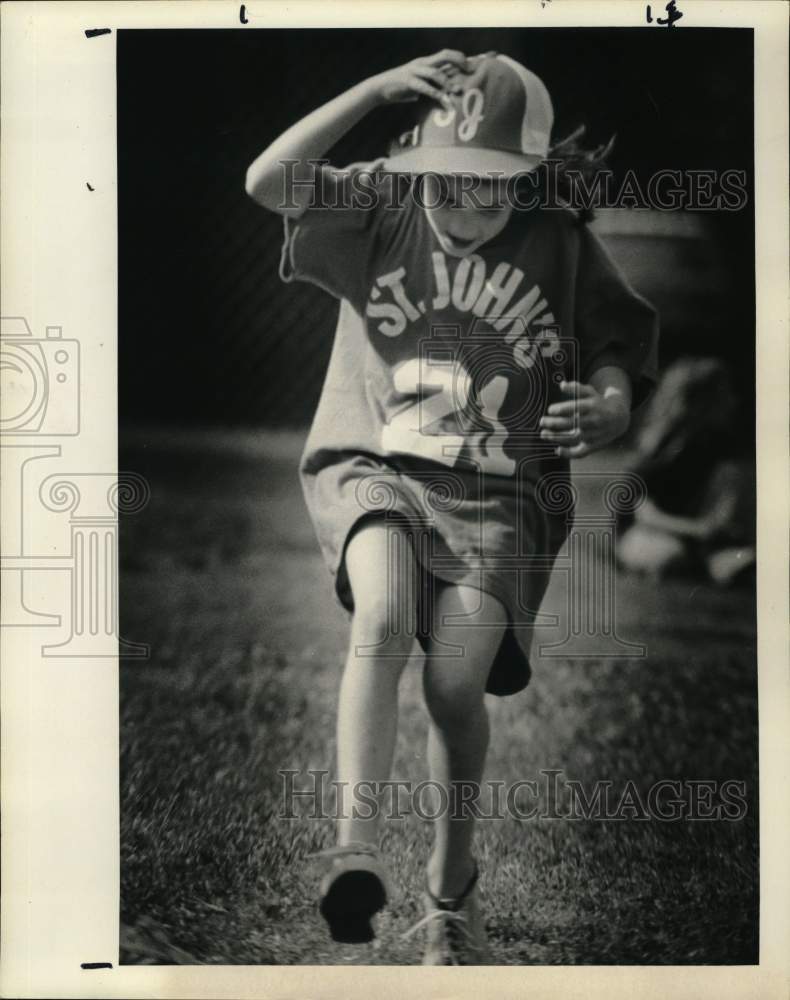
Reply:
x=60, y=863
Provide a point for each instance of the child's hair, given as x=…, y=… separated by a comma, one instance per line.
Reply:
x=568, y=163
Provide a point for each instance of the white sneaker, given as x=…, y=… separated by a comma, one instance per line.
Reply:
x=455, y=928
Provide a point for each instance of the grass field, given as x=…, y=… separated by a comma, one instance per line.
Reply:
x=221, y=576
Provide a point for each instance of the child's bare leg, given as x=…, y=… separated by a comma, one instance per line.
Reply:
x=378, y=651
x=458, y=735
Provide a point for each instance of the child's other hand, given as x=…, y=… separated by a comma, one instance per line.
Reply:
x=427, y=76
x=585, y=422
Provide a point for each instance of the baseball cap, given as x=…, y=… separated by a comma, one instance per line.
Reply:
x=500, y=121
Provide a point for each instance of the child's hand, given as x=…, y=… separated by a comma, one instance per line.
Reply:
x=427, y=76
x=586, y=421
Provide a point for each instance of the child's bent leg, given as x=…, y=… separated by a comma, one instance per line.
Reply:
x=382, y=572
x=458, y=735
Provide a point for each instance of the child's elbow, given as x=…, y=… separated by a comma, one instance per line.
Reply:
x=256, y=186
x=250, y=182
x=265, y=183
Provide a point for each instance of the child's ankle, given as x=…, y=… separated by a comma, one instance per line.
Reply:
x=450, y=880
x=357, y=836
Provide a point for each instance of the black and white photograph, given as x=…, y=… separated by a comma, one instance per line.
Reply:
x=392, y=304
x=430, y=567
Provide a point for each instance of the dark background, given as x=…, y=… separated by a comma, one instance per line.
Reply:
x=207, y=332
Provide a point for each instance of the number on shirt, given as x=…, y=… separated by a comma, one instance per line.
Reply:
x=449, y=385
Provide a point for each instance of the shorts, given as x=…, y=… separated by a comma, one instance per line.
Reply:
x=489, y=533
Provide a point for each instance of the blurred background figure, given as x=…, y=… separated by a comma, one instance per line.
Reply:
x=699, y=516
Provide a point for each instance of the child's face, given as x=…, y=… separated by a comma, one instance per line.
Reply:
x=464, y=214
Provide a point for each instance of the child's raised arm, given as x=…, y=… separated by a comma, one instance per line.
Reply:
x=311, y=138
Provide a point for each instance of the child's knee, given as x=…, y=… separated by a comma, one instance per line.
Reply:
x=465, y=650
x=453, y=699
x=379, y=628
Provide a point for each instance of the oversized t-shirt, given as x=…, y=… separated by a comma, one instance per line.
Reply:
x=454, y=360
x=440, y=371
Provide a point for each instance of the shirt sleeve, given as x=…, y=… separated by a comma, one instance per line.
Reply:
x=332, y=245
x=615, y=325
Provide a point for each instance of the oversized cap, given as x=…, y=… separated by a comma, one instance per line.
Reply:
x=500, y=121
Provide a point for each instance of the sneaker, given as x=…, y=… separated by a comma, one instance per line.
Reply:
x=352, y=891
x=455, y=929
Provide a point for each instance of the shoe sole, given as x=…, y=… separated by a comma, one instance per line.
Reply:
x=350, y=901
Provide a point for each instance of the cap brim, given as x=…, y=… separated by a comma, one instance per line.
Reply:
x=460, y=160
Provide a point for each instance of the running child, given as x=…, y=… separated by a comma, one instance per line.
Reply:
x=484, y=339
